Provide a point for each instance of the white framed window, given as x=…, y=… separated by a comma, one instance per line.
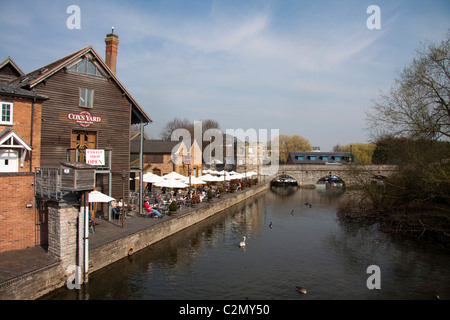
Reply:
x=86, y=98
x=6, y=116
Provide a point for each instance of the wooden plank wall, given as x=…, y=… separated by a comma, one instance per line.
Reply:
x=112, y=132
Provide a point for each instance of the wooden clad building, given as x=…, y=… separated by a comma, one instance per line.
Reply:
x=88, y=108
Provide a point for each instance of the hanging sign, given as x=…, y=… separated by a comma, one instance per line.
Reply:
x=84, y=118
x=95, y=157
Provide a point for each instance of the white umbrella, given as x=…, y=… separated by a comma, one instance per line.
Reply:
x=251, y=174
x=209, y=178
x=173, y=175
x=97, y=196
x=170, y=183
x=194, y=180
x=236, y=176
x=152, y=178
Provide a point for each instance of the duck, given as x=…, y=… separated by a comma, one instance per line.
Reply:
x=300, y=289
x=242, y=243
x=292, y=212
x=270, y=225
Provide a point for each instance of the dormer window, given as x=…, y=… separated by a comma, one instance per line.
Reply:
x=86, y=66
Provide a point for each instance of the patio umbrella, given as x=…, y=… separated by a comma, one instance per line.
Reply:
x=152, y=178
x=237, y=176
x=251, y=174
x=171, y=183
x=194, y=180
x=97, y=196
x=209, y=178
x=173, y=175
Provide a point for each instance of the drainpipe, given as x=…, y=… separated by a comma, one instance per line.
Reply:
x=31, y=134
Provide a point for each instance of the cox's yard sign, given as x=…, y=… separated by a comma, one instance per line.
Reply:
x=95, y=157
x=84, y=118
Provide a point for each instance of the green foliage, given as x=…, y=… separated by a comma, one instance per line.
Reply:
x=362, y=151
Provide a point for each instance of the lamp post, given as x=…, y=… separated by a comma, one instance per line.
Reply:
x=124, y=175
x=187, y=160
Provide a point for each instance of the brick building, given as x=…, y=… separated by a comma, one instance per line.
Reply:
x=20, y=141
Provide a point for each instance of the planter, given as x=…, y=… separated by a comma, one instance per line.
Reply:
x=172, y=213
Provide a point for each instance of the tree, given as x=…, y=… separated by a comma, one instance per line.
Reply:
x=362, y=151
x=293, y=143
x=417, y=105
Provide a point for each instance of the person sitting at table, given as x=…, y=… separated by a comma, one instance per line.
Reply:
x=114, y=208
x=121, y=205
x=149, y=207
x=159, y=199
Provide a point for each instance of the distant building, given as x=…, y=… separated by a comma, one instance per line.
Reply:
x=162, y=157
x=321, y=158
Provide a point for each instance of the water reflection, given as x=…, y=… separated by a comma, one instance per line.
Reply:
x=307, y=246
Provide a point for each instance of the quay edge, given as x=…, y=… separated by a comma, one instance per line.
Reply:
x=41, y=281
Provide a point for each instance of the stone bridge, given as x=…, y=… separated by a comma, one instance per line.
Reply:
x=351, y=174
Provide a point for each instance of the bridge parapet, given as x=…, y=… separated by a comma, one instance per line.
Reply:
x=352, y=174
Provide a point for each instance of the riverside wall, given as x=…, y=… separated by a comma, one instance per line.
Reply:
x=116, y=250
x=50, y=277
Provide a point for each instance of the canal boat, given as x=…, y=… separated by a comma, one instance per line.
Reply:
x=284, y=180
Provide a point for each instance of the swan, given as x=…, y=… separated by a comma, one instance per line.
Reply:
x=242, y=243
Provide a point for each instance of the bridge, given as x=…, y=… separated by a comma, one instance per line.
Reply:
x=350, y=174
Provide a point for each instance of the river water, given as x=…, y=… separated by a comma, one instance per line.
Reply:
x=306, y=246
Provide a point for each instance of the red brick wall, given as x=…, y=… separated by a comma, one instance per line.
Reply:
x=17, y=222
x=22, y=111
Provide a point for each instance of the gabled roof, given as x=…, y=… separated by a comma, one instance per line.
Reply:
x=14, y=140
x=32, y=79
x=13, y=65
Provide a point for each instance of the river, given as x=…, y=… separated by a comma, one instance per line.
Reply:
x=288, y=244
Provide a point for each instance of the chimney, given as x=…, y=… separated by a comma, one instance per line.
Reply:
x=112, y=42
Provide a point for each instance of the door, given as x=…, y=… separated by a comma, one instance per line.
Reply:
x=9, y=160
x=82, y=140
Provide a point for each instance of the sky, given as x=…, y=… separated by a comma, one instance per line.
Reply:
x=308, y=68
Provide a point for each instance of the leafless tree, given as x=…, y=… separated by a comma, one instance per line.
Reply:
x=418, y=103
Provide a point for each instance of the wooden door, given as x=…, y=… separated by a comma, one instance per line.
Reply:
x=82, y=140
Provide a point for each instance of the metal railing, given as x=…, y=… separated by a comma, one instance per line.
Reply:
x=47, y=183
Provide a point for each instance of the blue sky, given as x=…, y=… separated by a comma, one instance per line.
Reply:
x=310, y=68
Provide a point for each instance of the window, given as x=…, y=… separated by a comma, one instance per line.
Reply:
x=337, y=158
x=86, y=98
x=324, y=157
x=299, y=157
x=6, y=113
x=312, y=157
x=86, y=66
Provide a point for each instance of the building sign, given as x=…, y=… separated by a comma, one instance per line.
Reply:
x=84, y=118
x=95, y=157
